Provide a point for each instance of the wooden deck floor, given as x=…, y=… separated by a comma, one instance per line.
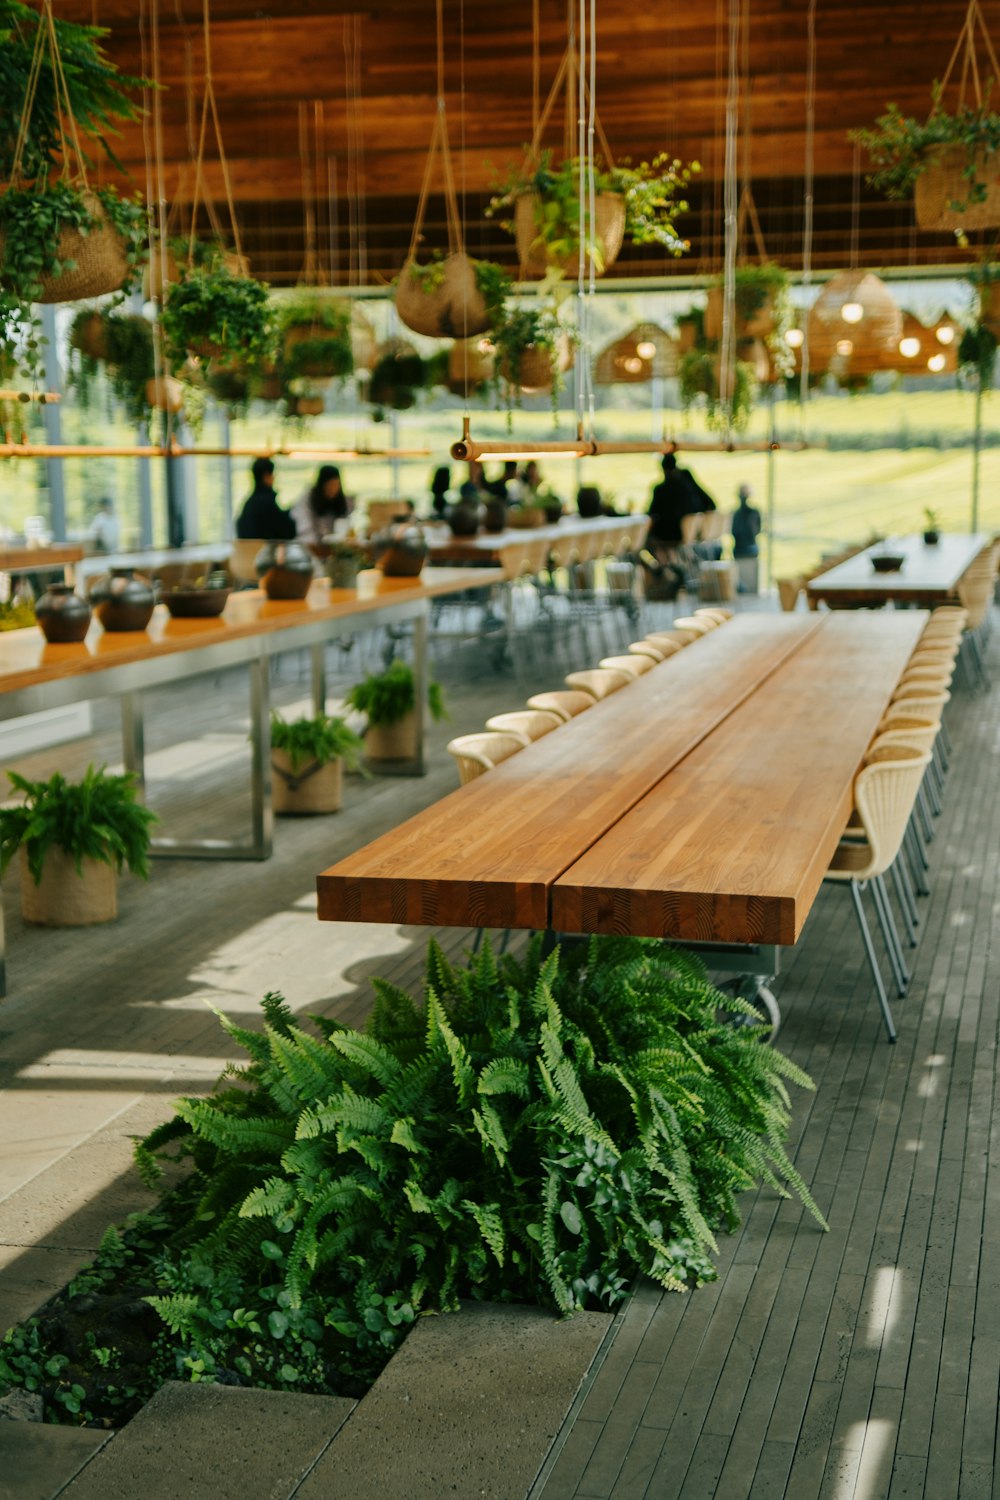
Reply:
x=864, y=1363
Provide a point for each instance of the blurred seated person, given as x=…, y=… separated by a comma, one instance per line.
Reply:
x=474, y=487
x=261, y=515
x=104, y=532
x=440, y=485
x=677, y=495
x=590, y=503
x=531, y=482
x=319, y=507
x=507, y=486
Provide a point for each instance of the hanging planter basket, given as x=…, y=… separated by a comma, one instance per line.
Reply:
x=943, y=183
x=312, y=788
x=398, y=741
x=308, y=406
x=537, y=366
x=442, y=300
x=65, y=899
x=470, y=365
x=760, y=325
x=89, y=336
x=100, y=257
x=164, y=393
x=534, y=257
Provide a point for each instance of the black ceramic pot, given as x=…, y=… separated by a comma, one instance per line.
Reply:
x=495, y=517
x=285, y=570
x=464, y=517
x=62, y=615
x=588, y=501
x=124, y=600
x=400, y=550
x=931, y=538
x=553, y=511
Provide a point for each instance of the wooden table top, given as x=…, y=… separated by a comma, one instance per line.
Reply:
x=39, y=559
x=733, y=844
x=442, y=544
x=927, y=572
x=738, y=755
x=489, y=853
x=27, y=659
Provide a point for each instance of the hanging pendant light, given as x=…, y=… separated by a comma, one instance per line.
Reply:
x=834, y=319
x=646, y=352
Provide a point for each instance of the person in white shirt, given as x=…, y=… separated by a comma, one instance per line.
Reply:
x=320, y=506
x=104, y=530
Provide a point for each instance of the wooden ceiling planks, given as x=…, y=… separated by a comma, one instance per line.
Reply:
x=659, y=87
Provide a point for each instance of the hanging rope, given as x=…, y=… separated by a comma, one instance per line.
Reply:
x=727, y=353
x=210, y=109
x=45, y=38
x=965, y=47
x=808, y=177
x=439, y=143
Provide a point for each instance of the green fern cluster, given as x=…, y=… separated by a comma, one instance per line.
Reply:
x=98, y=818
x=320, y=738
x=538, y=1130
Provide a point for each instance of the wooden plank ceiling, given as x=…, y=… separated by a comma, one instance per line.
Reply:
x=661, y=86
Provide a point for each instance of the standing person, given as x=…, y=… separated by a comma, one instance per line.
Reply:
x=104, y=533
x=677, y=495
x=531, y=481
x=506, y=486
x=261, y=515
x=440, y=485
x=323, y=503
x=746, y=525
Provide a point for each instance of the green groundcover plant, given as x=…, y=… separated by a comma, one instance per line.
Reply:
x=539, y=1130
x=322, y=738
x=98, y=818
x=386, y=697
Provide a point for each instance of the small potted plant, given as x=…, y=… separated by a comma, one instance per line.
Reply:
x=540, y=205
x=698, y=380
x=343, y=561
x=947, y=163
x=451, y=296
x=762, y=310
x=399, y=374
x=314, y=336
x=219, y=317
x=533, y=353
x=74, y=838
x=932, y=531
x=388, y=700
x=308, y=758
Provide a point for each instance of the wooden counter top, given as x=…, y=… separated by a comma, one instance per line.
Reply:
x=39, y=559
x=928, y=572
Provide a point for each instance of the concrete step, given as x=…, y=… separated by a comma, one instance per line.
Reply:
x=215, y=1441
x=468, y=1408
x=37, y=1461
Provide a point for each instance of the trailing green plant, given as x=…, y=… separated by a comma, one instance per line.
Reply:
x=977, y=354
x=31, y=222
x=218, y=316
x=698, y=378
x=902, y=148
x=653, y=194
x=321, y=739
x=98, y=94
x=397, y=378
x=529, y=328
x=386, y=697
x=493, y=283
x=126, y=342
x=97, y=818
x=314, y=336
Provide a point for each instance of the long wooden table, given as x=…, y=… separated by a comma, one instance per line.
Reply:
x=703, y=802
x=929, y=575
x=579, y=537
x=40, y=559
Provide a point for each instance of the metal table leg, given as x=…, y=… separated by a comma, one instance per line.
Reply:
x=318, y=653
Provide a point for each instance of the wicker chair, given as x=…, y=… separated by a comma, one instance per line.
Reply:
x=633, y=664
x=670, y=641
x=715, y=612
x=476, y=753
x=527, y=723
x=690, y=622
x=599, y=682
x=884, y=796
x=976, y=593
x=566, y=704
x=646, y=648
x=789, y=590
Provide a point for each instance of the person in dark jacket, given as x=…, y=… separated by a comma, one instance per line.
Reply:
x=677, y=495
x=746, y=525
x=261, y=515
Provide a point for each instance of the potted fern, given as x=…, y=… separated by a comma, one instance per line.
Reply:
x=947, y=163
x=398, y=376
x=74, y=838
x=308, y=758
x=388, y=701
x=314, y=336
x=533, y=352
x=217, y=316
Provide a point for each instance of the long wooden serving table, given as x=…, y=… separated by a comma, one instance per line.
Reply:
x=35, y=675
x=703, y=802
x=929, y=575
x=573, y=538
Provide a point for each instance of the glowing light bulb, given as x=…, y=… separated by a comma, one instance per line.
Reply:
x=852, y=312
x=944, y=333
x=936, y=363
x=795, y=338
x=632, y=365
x=485, y=347
x=909, y=348
x=845, y=347
x=646, y=350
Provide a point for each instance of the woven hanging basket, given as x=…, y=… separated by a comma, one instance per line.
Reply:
x=609, y=214
x=453, y=309
x=313, y=788
x=65, y=899
x=309, y=406
x=393, y=741
x=877, y=332
x=537, y=366
x=989, y=309
x=760, y=326
x=943, y=182
x=164, y=393
x=470, y=365
x=89, y=336
x=101, y=263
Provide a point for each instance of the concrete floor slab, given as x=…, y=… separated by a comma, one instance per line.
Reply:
x=37, y=1461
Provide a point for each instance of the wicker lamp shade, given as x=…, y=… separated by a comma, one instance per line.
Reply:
x=646, y=352
x=873, y=334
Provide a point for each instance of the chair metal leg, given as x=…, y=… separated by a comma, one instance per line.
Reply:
x=944, y=738
x=904, y=896
x=888, y=924
x=866, y=938
x=931, y=792
x=924, y=816
x=917, y=858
